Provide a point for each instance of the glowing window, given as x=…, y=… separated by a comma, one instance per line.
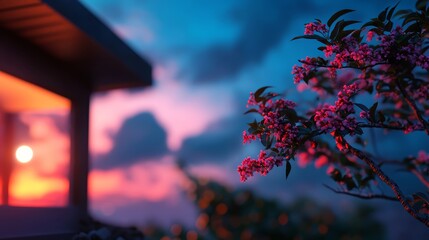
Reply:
x=35, y=149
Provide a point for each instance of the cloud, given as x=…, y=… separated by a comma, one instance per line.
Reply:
x=140, y=137
x=262, y=24
x=221, y=140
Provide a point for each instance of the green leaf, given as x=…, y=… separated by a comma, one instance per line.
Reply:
x=253, y=125
x=421, y=4
x=382, y=15
x=415, y=27
x=337, y=32
x=388, y=26
x=336, y=15
x=314, y=37
x=381, y=117
x=345, y=33
x=401, y=13
x=361, y=106
x=288, y=168
x=391, y=11
x=251, y=111
x=322, y=48
x=374, y=22
x=410, y=17
x=291, y=115
x=261, y=90
x=372, y=111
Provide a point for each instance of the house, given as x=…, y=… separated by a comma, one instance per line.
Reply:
x=53, y=55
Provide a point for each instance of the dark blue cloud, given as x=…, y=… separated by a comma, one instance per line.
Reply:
x=140, y=137
x=217, y=144
x=262, y=24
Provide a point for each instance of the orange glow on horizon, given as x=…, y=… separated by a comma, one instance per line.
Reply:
x=29, y=189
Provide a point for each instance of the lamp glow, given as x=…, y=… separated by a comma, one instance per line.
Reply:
x=24, y=154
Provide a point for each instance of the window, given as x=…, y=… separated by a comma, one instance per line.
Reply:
x=35, y=145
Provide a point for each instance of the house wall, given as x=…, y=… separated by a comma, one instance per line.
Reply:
x=27, y=62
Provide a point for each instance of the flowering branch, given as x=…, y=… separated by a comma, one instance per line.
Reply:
x=345, y=67
x=386, y=179
x=382, y=66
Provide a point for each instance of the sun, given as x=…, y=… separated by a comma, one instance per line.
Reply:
x=24, y=154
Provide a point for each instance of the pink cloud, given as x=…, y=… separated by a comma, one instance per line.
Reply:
x=147, y=180
x=183, y=111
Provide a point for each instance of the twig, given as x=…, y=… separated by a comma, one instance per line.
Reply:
x=413, y=106
x=384, y=126
x=386, y=179
x=363, y=196
x=331, y=66
x=418, y=174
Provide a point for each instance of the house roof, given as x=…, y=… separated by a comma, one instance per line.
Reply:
x=72, y=35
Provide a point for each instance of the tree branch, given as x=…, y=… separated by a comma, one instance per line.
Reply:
x=384, y=126
x=331, y=66
x=386, y=179
x=363, y=196
x=413, y=106
x=418, y=174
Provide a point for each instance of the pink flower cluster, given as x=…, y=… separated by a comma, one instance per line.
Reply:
x=275, y=122
x=349, y=52
x=276, y=126
x=261, y=165
x=300, y=72
x=390, y=51
x=329, y=118
x=310, y=28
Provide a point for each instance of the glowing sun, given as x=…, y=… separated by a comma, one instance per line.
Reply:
x=24, y=154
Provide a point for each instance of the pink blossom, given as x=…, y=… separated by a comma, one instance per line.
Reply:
x=321, y=161
x=369, y=36
x=422, y=157
x=330, y=169
x=251, y=101
x=364, y=114
x=330, y=49
x=262, y=165
x=310, y=28
x=300, y=72
x=247, y=138
x=303, y=159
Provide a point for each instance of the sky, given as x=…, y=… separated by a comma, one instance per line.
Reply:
x=206, y=57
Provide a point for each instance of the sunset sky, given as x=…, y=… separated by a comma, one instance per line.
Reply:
x=206, y=56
